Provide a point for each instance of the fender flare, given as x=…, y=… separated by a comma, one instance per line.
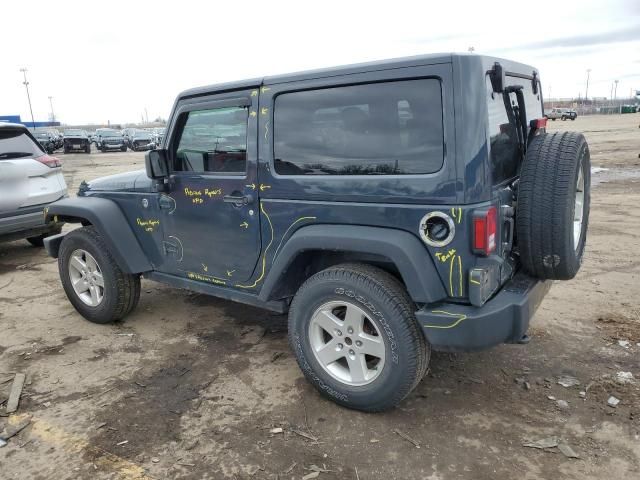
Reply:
x=403, y=249
x=107, y=217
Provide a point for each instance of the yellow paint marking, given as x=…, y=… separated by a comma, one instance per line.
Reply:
x=204, y=267
x=460, y=274
x=264, y=110
x=443, y=257
x=253, y=113
x=58, y=438
x=456, y=213
x=474, y=281
x=266, y=130
x=230, y=273
x=254, y=93
x=244, y=225
x=287, y=231
x=264, y=255
x=206, y=278
x=263, y=187
x=451, y=275
x=265, y=89
x=460, y=317
x=251, y=186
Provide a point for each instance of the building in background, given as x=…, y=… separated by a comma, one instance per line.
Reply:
x=16, y=119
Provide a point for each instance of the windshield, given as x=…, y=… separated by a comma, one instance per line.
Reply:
x=41, y=135
x=141, y=133
x=69, y=133
x=110, y=134
x=17, y=144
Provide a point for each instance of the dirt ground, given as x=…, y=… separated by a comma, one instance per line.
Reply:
x=190, y=386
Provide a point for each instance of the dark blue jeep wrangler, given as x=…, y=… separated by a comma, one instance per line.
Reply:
x=391, y=208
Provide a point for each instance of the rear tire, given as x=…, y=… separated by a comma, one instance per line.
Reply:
x=388, y=355
x=119, y=293
x=553, y=205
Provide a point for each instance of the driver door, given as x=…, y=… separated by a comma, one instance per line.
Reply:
x=210, y=214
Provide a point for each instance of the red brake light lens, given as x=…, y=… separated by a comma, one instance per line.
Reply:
x=49, y=161
x=539, y=123
x=485, y=231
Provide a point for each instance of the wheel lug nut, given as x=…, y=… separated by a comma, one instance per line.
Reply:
x=352, y=353
x=338, y=332
x=350, y=330
x=340, y=346
x=358, y=343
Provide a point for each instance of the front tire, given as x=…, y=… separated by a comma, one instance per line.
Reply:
x=353, y=330
x=94, y=283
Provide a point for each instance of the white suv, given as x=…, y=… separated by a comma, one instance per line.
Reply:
x=29, y=181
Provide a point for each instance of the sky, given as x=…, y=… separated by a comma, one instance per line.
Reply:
x=119, y=60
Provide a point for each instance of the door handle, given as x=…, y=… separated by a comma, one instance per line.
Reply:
x=238, y=200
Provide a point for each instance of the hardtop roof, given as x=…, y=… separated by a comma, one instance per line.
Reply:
x=419, y=60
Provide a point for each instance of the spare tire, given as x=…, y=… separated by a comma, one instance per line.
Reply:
x=553, y=205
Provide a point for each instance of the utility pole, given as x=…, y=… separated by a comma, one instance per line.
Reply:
x=53, y=115
x=615, y=90
x=586, y=92
x=549, y=100
x=26, y=85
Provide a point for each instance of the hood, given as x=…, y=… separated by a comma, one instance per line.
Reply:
x=76, y=137
x=130, y=181
x=143, y=136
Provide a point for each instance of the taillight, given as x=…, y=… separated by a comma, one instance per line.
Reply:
x=485, y=230
x=51, y=162
x=538, y=123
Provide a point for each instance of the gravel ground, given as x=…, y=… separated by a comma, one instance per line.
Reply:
x=190, y=386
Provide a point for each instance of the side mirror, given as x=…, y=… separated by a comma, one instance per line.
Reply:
x=156, y=164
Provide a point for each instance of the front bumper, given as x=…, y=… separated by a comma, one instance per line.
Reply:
x=503, y=319
x=111, y=146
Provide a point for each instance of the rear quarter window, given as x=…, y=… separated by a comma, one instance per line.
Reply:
x=391, y=128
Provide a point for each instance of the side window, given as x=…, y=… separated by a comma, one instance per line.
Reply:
x=213, y=141
x=387, y=128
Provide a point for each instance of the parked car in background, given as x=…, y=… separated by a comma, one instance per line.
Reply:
x=97, y=135
x=111, y=140
x=46, y=141
x=140, y=140
x=58, y=139
x=157, y=135
x=76, y=141
x=30, y=180
x=562, y=114
x=126, y=134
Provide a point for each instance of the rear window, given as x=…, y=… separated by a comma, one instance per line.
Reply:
x=374, y=129
x=505, y=156
x=17, y=144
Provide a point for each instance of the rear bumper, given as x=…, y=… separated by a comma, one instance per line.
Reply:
x=503, y=319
